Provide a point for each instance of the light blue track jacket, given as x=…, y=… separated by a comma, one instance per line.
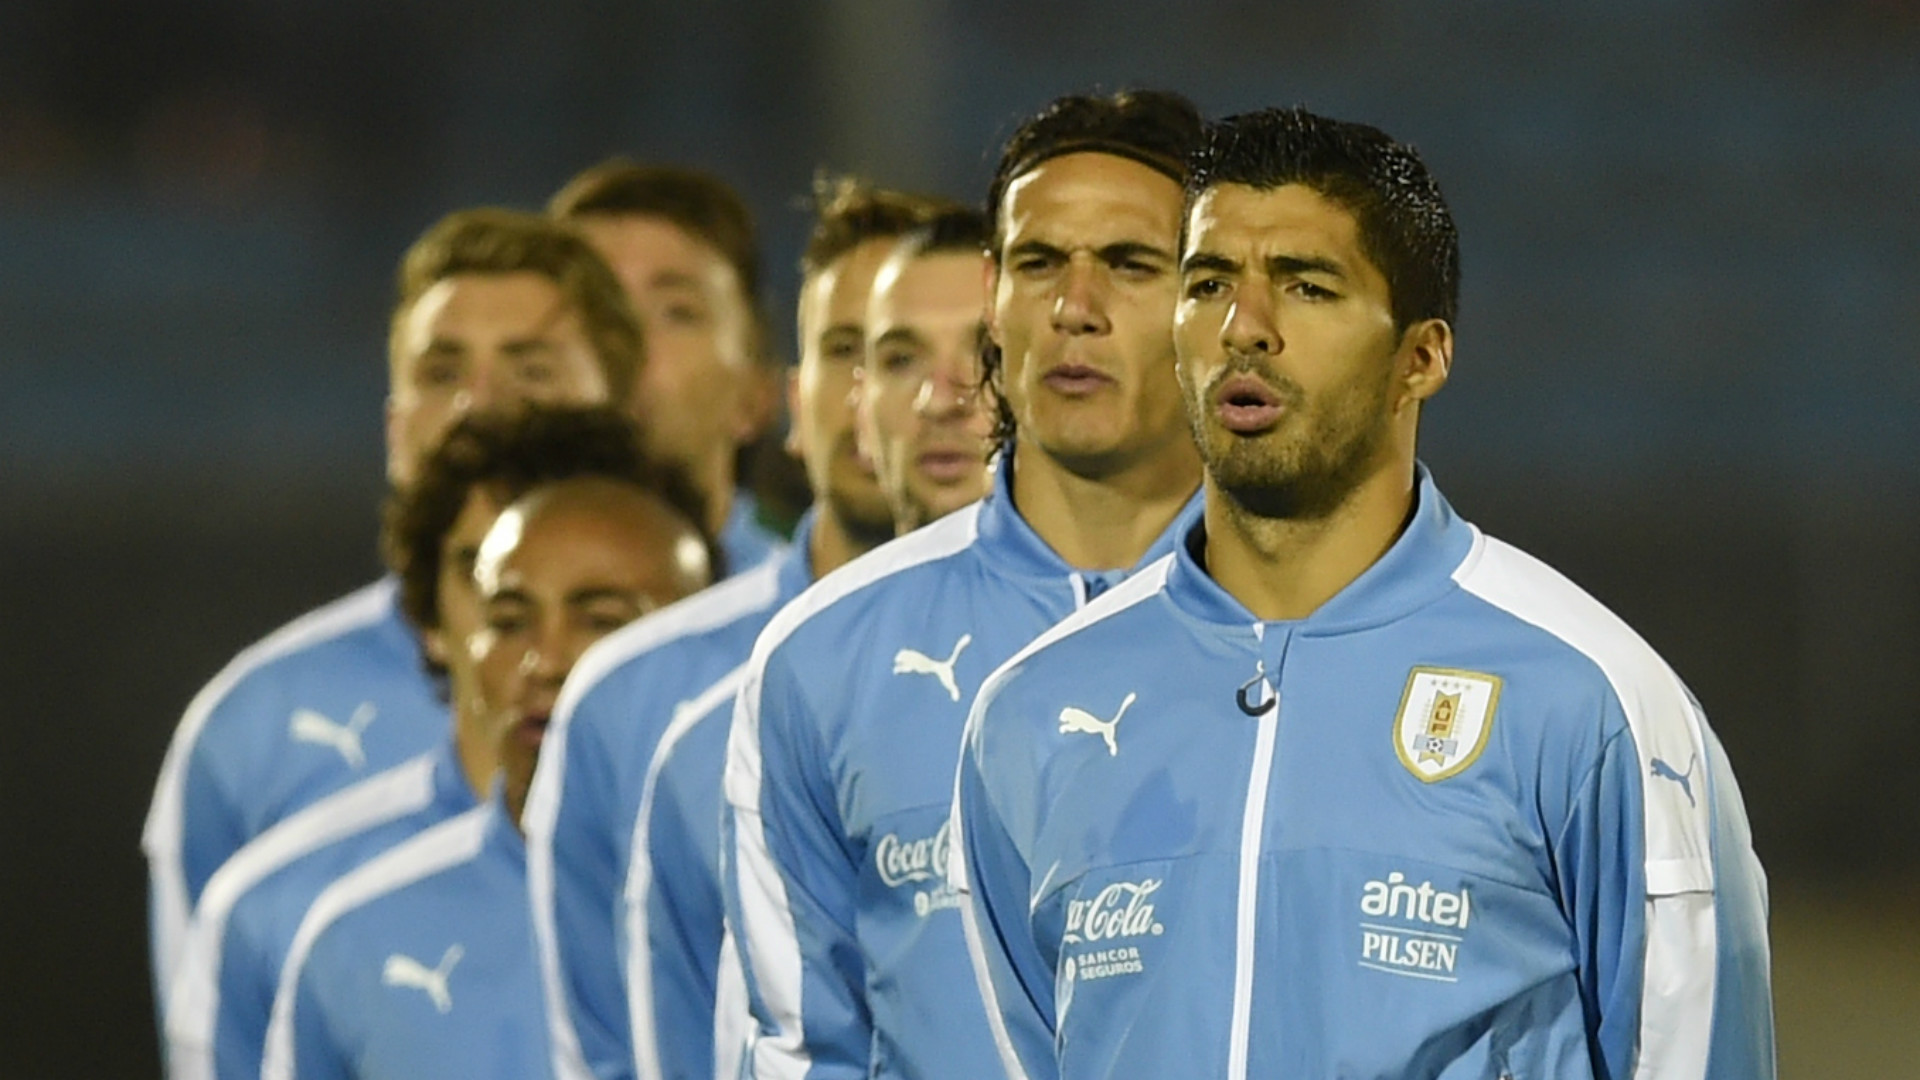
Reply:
x=635, y=750
x=746, y=543
x=417, y=965
x=839, y=779
x=252, y=907
x=1459, y=822
x=330, y=699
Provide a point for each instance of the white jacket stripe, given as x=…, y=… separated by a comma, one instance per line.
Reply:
x=450, y=843
x=639, y=885
x=193, y=1018
x=726, y=602
x=1676, y=1007
x=162, y=837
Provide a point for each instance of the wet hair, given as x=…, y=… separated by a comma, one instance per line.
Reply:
x=698, y=203
x=1405, y=227
x=506, y=457
x=849, y=212
x=956, y=230
x=493, y=241
x=1156, y=128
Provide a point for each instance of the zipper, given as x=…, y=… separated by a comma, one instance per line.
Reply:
x=1252, y=823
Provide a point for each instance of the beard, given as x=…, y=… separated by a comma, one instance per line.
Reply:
x=1308, y=466
x=863, y=511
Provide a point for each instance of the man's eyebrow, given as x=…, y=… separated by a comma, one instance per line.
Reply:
x=674, y=279
x=1124, y=250
x=512, y=594
x=1286, y=265
x=900, y=335
x=524, y=345
x=1036, y=247
x=596, y=593
x=1207, y=260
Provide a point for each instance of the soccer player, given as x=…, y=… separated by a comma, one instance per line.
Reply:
x=496, y=309
x=252, y=905
x=847, y=727
x=419, y=962
x=683, y=244
x=1344, y=787
x=622, y=828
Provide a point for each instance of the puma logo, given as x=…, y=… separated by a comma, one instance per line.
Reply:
x=1685, y=779
x=405, y=971
x=313, y=727
x=1081, y=722
x=915, y=662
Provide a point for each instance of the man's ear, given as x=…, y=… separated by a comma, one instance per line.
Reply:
x=1427, y=355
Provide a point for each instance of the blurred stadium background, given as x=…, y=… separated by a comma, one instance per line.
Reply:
x=1686, y=368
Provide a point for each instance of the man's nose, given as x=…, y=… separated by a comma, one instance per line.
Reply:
x=1251, y=327
x=1080, y=307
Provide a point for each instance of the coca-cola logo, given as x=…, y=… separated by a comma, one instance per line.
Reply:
x=1121, y=910
x=902, y=861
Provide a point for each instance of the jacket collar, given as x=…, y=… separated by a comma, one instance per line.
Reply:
x=1414, y=572
x=1015, y=550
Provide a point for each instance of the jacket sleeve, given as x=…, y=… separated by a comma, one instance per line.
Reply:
x=793, y=886
x=574, y=867
x=995, y=882
x=1671, y=939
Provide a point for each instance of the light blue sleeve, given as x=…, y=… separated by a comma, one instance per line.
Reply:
x=794, y=887
x=587, y=856
x=1015, y=978
x=1619, y=921
x=317, y=1053
x=1743, y=1040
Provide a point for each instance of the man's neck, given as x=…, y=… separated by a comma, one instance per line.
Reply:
x=715, y=479
x=478, y=759
x=832, y=544
x=1285, y=569
x=1107, y=522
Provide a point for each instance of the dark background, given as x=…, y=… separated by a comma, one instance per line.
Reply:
x=1685, y=370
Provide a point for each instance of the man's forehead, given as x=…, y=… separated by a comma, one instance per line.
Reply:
x=1090, y=191
x=1291, y=216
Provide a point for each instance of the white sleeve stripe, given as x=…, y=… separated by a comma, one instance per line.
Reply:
x=193, y=1017
x=161, y=837
x=772, y=943
x=450, y=843
x=732, y=1017
x=1677, y=991
x=639, y=884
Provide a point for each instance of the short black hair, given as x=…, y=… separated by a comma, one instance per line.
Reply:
x=1156, y=128
x=507, y=456
x=1405, y=226
x=952, y=231
x=849, y=212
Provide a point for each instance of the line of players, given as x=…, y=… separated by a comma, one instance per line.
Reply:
x=738, y=854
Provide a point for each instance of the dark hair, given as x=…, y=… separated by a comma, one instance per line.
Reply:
x=491, y=240
x=697, y=202
x=508, y=456
x=1405, y=226
x=954, y=230
x=1156, y=128
x=849, y=212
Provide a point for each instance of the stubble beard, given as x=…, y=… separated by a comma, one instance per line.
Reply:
x=1311, y=466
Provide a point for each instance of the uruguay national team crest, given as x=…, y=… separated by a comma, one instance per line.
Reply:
x=1445, y=717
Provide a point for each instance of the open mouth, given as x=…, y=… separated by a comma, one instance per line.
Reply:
x=1246, y=405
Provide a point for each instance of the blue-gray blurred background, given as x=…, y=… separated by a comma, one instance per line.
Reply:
x=1686, y=369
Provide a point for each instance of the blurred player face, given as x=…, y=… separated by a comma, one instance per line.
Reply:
x=923, y=424
x=833, y=310
x=1083, y=308
x=482, y=342
x=560, y=569
x=1298, y=385
x=460, y=619
x=695, y=393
